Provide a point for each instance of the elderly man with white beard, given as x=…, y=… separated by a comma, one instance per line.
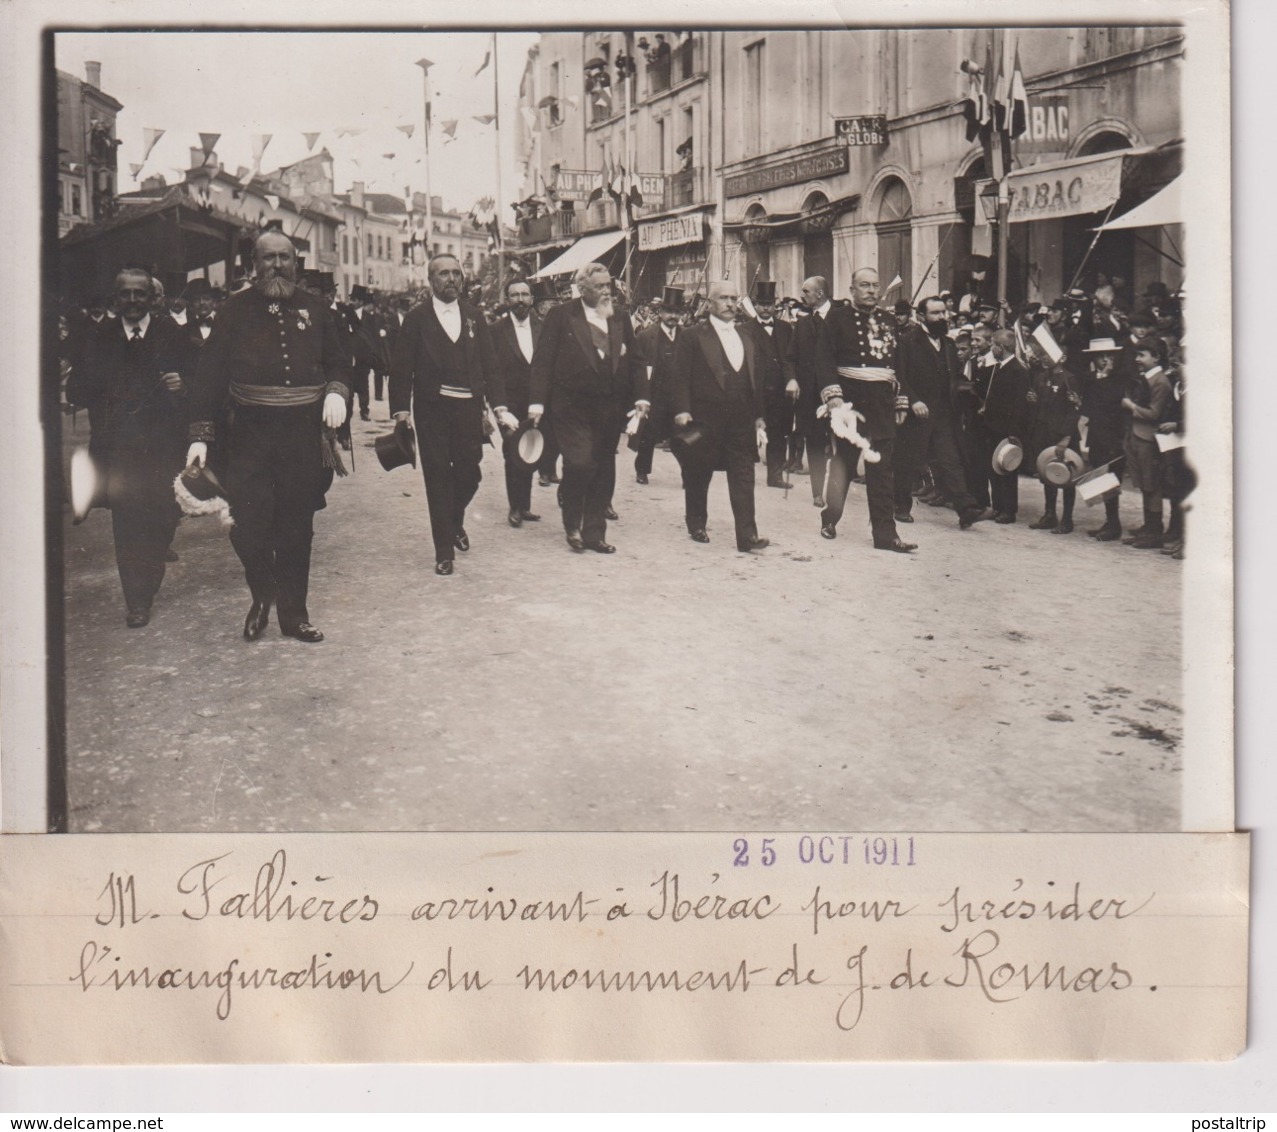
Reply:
x=585, y=371
x=276, y=353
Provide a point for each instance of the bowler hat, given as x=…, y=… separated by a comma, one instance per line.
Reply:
x=1007, y=456
x=1156, y=290
x=765, y=292
x=543, y=291
x=529, y=444
x=197, y=288
x=397, y=448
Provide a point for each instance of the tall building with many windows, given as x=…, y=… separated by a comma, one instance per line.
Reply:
x=87, y=176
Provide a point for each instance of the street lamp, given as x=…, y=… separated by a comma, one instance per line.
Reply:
x=996, y=203
x=989, y=201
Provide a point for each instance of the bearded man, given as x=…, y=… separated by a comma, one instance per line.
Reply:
x=275, y=351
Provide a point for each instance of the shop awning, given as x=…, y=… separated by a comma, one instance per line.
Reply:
x=1086, y=185
x=586, y=250
x=1164, y=208
x=759, y=229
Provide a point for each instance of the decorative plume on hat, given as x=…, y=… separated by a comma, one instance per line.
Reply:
x=199, y=492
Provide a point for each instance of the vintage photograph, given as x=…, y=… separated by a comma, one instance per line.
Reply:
x=637, y=429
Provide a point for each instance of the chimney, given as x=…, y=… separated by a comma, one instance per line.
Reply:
x=357, y=193
x=93, y=74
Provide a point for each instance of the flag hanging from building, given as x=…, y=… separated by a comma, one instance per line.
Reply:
x=149, y=138
x=1018, y=115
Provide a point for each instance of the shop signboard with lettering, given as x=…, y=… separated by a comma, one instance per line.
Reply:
x=1073, y=188
x=865, y=129
x=1049, y=125
x=671, y=232
x=826, y=163
x=578, y=184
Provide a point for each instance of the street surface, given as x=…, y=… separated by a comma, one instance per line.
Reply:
x=1000, y=679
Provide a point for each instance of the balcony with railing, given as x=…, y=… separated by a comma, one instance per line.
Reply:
x=603, y=213
x=556, y=225
x=686, y=187
x=681, y=64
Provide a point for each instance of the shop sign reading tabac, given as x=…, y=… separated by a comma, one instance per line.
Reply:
x=670, y=232
x=1070, y=188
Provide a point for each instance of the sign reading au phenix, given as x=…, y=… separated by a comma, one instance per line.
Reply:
x=671, y=231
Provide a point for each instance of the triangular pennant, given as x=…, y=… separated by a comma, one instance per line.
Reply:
x=311, y=139
x=388, y=156
x=260, y=142
x=484, y=119
x=149, y=138
x=244, y=176
x=406, y=130
x=207, y=142
x=449, y=127
x=272, y=200
x=135, y=169
x=487, y=58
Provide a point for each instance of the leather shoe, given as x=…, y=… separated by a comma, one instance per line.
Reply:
x=444, y=568
x=778, y=481
x=1148, y=541
x=898, y=546
x=640, y=478
x=515, y=519
x=529, y=517
x=756, y=543
x=611, y=514
x=1130, y=538
x=818, y=501
x=968, y=519
x=829, y=531
x=461, y=540
x=305, y=631
x=544, y=481
x=137, y=618
x=699, y=535
x=364, y=415
x=257, y=620
x=1004, y=518
x=903, y=517
x=1108, y=534
x=1065, y=527
x=575, y=541
x=600, y=547
x=1048, y=522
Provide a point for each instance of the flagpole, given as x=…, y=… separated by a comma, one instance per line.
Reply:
x=425, y=66
x=1004, y=196
x=626, y=217
x=496, y=107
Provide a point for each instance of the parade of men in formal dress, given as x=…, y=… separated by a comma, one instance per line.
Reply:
x=624, y=468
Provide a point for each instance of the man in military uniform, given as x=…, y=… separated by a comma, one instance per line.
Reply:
x=129, y=375
x=863, y=342
x=275, y=351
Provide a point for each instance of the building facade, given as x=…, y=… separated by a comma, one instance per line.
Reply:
x=87, y=175
x=815, y=152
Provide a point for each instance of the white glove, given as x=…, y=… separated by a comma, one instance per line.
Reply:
x=334, y=410
x=508, y=420
x=197, y=454
x=791, y=388
x=535, y=413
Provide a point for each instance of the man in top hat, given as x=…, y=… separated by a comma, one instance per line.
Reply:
x=928, y=371
x=1102, y=424
x=811, y=365
x=586, y=371
x=655, y=346
x=1005, y=412
x=369, y=344
x=440, y=374
x=863, y=340
x=276, y=354
x=128, y=373
x=717, y=383
x=514, y=339
x=773, y=339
